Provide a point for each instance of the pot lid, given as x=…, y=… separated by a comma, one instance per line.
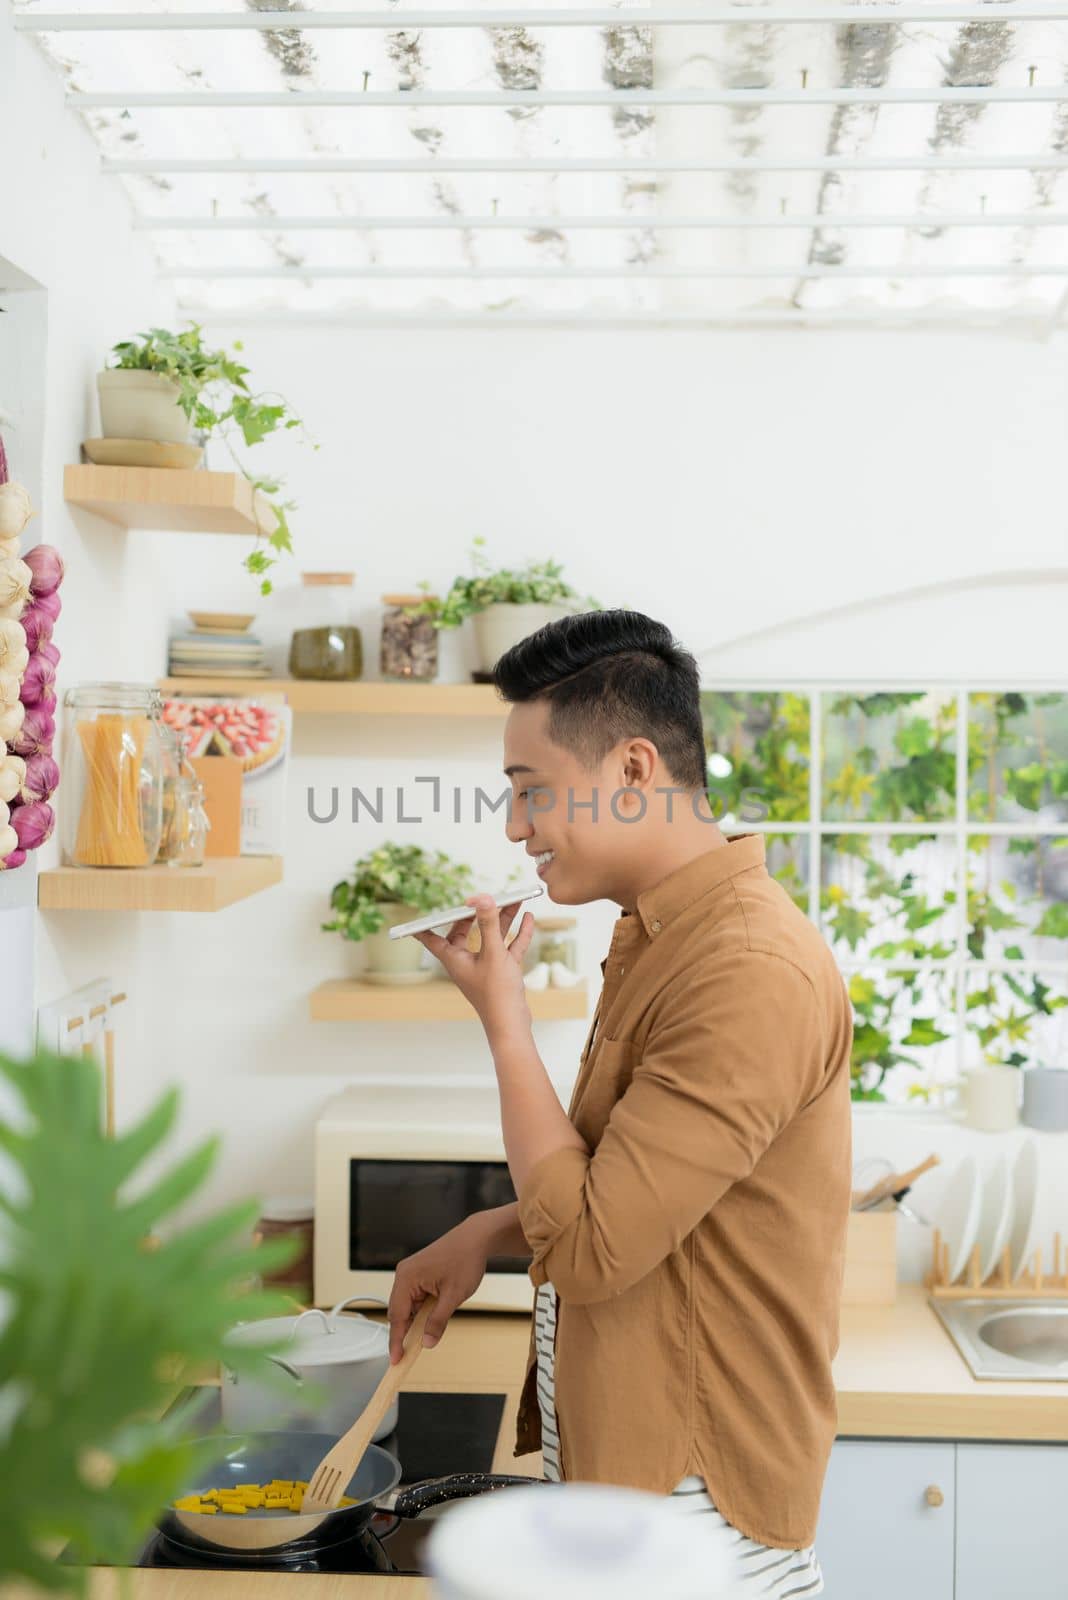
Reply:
x=598, y=1541
x=317, y=1338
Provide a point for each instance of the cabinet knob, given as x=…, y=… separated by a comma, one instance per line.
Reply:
x=934, y=1496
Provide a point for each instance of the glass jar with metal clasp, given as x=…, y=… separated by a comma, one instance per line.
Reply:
x=113, y=775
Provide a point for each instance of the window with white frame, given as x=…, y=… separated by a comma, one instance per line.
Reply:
x=924, y=829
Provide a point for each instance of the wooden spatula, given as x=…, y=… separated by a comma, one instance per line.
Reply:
x=337, y=1467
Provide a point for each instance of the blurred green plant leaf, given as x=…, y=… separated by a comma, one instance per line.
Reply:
x=105, y=1321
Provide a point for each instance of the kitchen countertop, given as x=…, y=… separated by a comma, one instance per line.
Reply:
x=155, y=1584
x=898, y=1375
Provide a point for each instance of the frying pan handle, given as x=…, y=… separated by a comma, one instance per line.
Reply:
x=419, y=1497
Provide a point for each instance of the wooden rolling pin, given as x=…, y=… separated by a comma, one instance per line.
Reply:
x=892, y=1184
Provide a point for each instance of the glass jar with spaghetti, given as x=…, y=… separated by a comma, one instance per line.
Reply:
x=113, y=775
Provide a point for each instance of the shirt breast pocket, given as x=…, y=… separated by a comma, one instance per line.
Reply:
x=607, y=1076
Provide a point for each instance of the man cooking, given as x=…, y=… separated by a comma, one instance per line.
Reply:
x=686, y=1217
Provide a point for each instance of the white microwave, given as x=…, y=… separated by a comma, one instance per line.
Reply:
x=395, y=1168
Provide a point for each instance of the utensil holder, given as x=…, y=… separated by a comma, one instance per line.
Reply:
x=870, y=1259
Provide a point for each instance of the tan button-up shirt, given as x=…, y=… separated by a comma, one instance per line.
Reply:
x=697, y=1253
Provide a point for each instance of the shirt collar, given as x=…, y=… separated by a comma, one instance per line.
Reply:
x=659, y=906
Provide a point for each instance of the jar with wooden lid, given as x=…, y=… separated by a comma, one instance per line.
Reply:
x=326, y=645
x=554, y=940
x=289, y=1217
x=409, y=641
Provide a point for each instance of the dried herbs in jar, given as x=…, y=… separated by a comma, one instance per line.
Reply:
x=409, y=641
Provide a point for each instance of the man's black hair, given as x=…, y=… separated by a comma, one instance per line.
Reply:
x=607, y=676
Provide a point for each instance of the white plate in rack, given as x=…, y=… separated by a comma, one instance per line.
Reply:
x=995, y=1216
x=1024, y=1194
x=958, y=1215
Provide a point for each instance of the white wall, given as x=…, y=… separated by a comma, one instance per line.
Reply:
x=726, y=483
x=74, y=278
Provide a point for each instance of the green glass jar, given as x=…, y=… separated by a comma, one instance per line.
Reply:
x=325, y=645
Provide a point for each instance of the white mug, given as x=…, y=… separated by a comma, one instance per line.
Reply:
x=988, y=1098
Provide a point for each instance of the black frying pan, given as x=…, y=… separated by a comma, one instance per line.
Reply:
x=259, y=1457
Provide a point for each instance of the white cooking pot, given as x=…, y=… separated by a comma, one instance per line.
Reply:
x=335, y=1364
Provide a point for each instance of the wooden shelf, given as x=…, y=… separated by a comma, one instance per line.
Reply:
x=218, y=883
x=169, y=498
x=350, y=1000
x=356, y=699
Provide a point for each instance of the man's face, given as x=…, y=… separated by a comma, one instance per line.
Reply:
x=581, y=851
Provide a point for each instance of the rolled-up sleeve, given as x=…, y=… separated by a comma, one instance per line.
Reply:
x=735, y=1051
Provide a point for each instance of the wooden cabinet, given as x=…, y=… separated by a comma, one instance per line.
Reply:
x=944, y=1520
x=887, y=1521
x=1012, y=1501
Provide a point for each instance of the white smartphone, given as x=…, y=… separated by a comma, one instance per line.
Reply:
x=450, y=914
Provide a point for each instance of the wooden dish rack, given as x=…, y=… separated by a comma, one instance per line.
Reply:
x=1000, y=1285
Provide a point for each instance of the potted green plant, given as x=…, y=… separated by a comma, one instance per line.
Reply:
x=389, y=885
x=100, y=1333
x=506, y=603
x=165, y=386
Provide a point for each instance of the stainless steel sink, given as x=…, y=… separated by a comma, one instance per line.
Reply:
x=1025, y=1339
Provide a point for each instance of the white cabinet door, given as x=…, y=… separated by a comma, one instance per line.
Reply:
x=886, y=1522
x=1012, y=1500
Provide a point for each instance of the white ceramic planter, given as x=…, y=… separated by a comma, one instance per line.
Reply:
x=502, y=625
x=392, y=960
x=987, y=1098
x=1045, y=1098
x=141, y=405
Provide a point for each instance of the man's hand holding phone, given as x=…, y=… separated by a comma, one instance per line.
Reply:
x=491, y=978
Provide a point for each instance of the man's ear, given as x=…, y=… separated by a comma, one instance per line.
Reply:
x=639, y=763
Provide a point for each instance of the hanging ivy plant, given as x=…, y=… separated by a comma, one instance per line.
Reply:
x=212, y=392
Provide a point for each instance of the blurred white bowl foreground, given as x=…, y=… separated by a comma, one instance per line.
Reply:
x=576, y=1540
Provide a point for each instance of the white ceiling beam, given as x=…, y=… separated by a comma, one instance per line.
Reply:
x=302, y=99
x=595, y=318
x=532, y=17
x=449, y=223
x=969, y=269
x=439, y=164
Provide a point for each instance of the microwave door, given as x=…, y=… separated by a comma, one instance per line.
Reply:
x=400, y=1206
